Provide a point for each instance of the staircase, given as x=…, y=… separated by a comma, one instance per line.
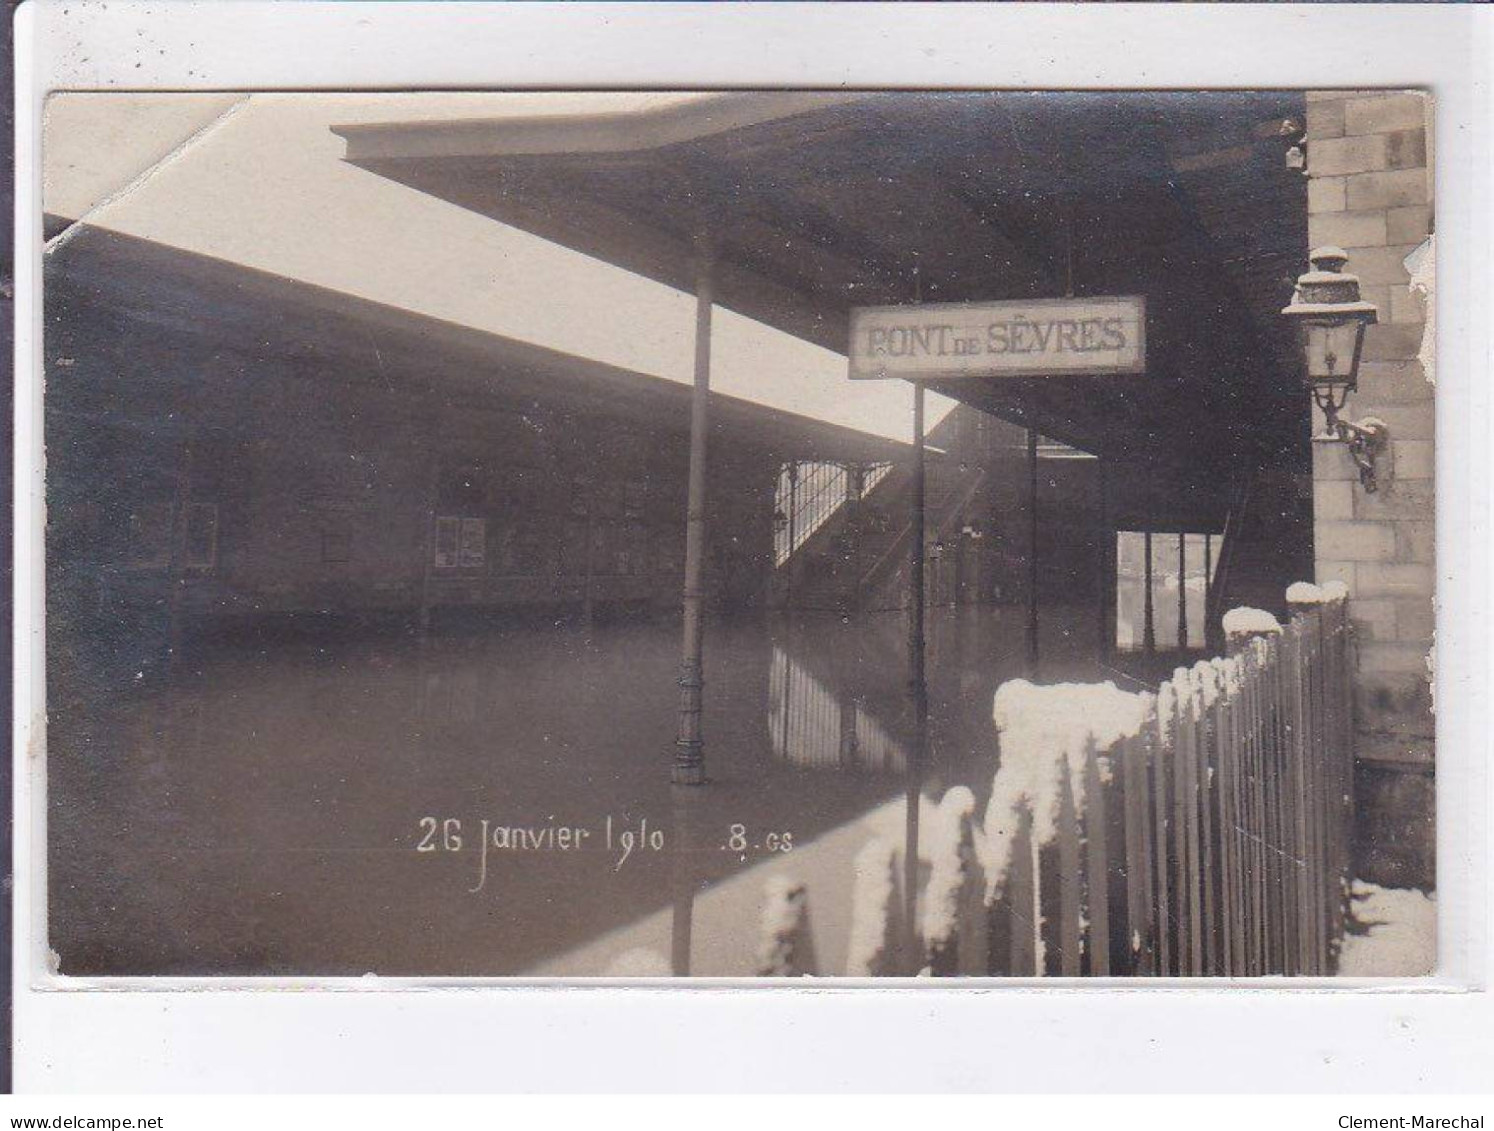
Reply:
x=1263, y=547
x=858, y=560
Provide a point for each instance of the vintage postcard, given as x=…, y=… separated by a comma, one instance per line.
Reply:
x=740, y=535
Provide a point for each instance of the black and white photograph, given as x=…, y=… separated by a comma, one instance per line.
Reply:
x=753, y=534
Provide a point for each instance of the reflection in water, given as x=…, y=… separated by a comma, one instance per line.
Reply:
x=324, y=805
x=817, y=728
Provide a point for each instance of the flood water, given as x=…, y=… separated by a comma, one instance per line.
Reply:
x=341, y=805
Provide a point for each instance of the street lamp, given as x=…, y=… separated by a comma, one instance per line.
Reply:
x=1332, y=317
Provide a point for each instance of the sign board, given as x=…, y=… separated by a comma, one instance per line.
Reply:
x=1031, y=338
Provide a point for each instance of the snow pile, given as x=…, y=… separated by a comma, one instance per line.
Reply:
x=873, y=909
x=1246, y=621
x=640, y=962
x=1043, y=733
x=1396, y=935
x=1306, y=593
x=952, y=853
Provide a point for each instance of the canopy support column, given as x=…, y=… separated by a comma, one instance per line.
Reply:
x=1032, y=550
x=1182, y=592
x=1149, y=629
x=916, y=674
x=1105, y=557
x=917, y=684
x=689, y=746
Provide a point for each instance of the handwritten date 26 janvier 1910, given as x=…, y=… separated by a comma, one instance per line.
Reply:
x=618, y=839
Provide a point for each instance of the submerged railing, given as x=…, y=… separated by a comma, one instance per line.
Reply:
x=1199, y=830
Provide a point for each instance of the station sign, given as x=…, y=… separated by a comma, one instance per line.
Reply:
x=1029, y=338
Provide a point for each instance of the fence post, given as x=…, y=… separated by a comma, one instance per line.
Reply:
x=1097, y=873
x=1246, y=634
x=1141, y=930
x=1159, y=739
x=1207, y=676
x=1021, y=899
x=1070, y=880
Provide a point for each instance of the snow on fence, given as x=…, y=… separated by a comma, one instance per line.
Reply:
x=1199, y=830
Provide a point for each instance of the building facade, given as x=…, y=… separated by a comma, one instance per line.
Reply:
x=1370, y=191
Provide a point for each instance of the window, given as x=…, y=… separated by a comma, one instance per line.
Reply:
x=337, y=543
x=448, y=539
x=461, y=542
x=150, y=535
x=474, y=546
x=1179, y=573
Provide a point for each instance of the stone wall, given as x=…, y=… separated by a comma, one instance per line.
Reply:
x=1370, y=192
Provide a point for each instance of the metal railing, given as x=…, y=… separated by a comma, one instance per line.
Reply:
x=1206, y=834
x=809, y=494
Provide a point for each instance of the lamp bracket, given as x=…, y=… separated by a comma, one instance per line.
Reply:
x=1365, y=440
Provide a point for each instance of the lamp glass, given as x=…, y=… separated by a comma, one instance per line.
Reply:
x=1332, y=350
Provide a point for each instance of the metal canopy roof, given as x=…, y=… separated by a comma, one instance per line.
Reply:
x=817, y=203
x=344, y=338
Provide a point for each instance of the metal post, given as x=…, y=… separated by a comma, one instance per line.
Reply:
x=1208, y=589
x=1107, y=546
x=1032, y=550
x=1182, y=592
x=1149, y=631
x=917, y=683
x=689, y=752
x=915, y=564
x=793, y=531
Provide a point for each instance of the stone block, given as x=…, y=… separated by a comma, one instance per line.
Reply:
x=1402, y=306
x=1394, y=702
x=1383, y=113
x=1355, y=541
x=1393, y=579
x=1405, y=225
x=1406, y=422
x=1327, y=194
x=1390, y=341
x=1331, y=462
x=1379, y=294
x=1415, y=620
x=1406, y=149
x=1333, y=500
x=1396, y=499
x=1385, y=264
x=1395, y=829
x=1416, y=542
x=1411, y=459
x=1325, y=118
x=1386, y=188
x=1374, y=618
x=1347, y=229
x=1390, y=383
x=1335, y=157
x=1393, y=657
x=1325, y=570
